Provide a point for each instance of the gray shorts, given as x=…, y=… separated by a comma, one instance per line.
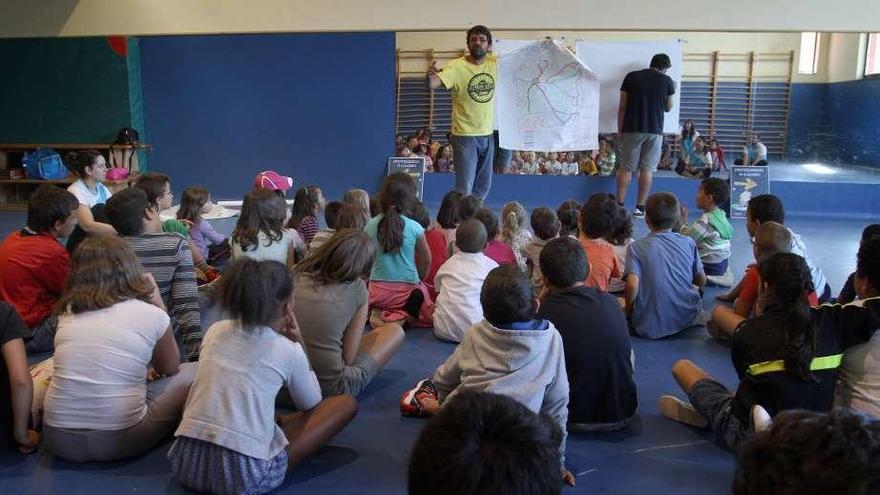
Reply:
x=639, y=151
x=358, y=375
x=715, y=404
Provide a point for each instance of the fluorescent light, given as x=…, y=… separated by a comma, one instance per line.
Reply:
x=818, y=168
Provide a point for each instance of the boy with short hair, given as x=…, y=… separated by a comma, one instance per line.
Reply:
x=449, y=456
x=167, y=257
x=712, y=231
x=597, y=220
x=662, y=275
x=770, y=238
x=534, y=375
x=322, y=236
x=34, y=265
x=545, y=225
x=769, y=208
x=458, y=283
x=598, y=355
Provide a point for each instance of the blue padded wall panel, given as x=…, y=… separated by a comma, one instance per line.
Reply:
x=319, y=107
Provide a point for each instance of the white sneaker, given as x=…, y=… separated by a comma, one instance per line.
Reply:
x=725, y=280
x=677, y=410
x=761, y=420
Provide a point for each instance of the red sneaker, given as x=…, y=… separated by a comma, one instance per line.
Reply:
x=412, y=401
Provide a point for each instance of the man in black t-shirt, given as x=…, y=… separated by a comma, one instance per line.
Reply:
x=645, y=96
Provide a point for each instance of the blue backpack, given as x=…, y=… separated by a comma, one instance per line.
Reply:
x=44, y=163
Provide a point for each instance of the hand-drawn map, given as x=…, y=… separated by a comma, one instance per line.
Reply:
x=547, y=100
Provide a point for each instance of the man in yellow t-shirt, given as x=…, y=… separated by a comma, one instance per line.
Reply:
x=471, y=80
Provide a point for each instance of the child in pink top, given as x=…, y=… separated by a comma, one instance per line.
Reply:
x=497, y=250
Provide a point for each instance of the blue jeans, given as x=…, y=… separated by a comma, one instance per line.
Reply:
x=473, y=156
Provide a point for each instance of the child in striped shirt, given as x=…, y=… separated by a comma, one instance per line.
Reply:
x=712, y=231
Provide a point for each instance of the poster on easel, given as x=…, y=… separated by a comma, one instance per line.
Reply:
x=414, y=166
x=746, y=183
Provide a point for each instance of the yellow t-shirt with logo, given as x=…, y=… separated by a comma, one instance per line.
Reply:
x=473, y=95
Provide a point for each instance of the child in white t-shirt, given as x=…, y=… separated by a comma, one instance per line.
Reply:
x=229, y=440
x=458, y=283
x=260, y=234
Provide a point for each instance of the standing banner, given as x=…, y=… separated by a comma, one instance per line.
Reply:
x=612, y=60
x=414, y=166
x=546, y=99
x=746, y=183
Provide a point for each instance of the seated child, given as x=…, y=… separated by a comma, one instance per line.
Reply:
x=440, y=235
x=712, y=231
x=598, y=355
x=620, y=237
x=811, y=454
x=449, y=454
x=166, y=257
x=717, y=156
x=90, y=169
x=552, y=165
x=350, y=217
x=307, y=202
x=531, y=165
x=260, y=233
x=16, y=386
x=195, y=202
x=113, y=336
x=569, y=214
x=770, y=238
x=663, y=274
x=496, y=249
x=597, y=221
x=34, y=265
x=606, y=159
x=570, y=165
x=323, y=235
x=332, y=310
x=458, y=283
x=848, y=292
x=534, y=375
x=273, y=181
x=361, y=198
x=768, y=208
x=229, y=440
x=786, y=358
x=514, y=232
x=587, y=164
x=546, y=226
x=397, y=292
x=859, y=384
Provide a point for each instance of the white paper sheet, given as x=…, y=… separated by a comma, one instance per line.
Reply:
x=546, y=100
x=612, y=60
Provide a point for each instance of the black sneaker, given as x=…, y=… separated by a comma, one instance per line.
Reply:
x=639, y=212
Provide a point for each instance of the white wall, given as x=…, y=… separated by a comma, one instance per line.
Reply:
x=29, y=18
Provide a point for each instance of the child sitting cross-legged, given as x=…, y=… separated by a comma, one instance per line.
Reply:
x=459, y=281
x=514, y=231
x=229, y=440
x=787, y=358
x=662, y=275
x=534, y=374
x=545, y=225
x=598, y=355
x=597, y=219
x=712, y=231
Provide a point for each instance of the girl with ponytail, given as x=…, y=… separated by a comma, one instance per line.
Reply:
x=514, y=232
x=397, y=292
x=788, y=357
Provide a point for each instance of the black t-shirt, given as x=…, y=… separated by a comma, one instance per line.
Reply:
x=11, y=327
x=595, y=337
x=762, y=340
x=646, y=93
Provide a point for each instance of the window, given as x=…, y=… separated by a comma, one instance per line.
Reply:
x=809, y=59
x=872, y=59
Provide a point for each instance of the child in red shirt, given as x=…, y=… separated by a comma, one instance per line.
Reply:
x=497, y=250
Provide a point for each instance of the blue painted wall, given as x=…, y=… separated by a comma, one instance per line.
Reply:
x=836, y=122
x=319, y=107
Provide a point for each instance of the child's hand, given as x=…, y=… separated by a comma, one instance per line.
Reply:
x=155, y=296
x=29, y=442
x=568, y=478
